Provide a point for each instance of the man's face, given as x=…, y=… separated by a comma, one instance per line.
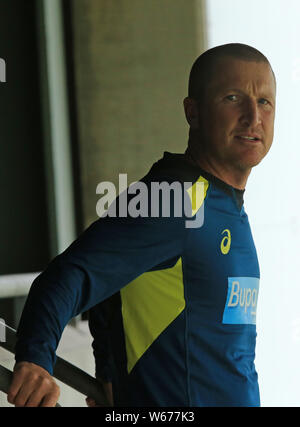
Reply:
x=236, y=119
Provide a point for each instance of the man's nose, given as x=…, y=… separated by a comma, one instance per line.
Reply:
x=250, y=116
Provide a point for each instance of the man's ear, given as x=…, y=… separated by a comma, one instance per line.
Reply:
x=191, y=112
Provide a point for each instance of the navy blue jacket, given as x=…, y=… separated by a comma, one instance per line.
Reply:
x=182, y=298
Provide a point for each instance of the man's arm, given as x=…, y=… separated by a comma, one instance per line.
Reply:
x=110, y=254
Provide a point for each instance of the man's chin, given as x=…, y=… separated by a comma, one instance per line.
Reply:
x=250, y=159
x=245, y=165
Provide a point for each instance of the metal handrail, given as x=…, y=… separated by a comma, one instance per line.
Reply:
x=64, y=371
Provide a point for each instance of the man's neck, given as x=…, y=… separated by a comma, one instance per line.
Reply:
x=235, y=178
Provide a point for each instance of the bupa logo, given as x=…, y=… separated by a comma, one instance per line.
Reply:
x=241, y=303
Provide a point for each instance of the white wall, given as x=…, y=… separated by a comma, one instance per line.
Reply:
x=272, y=196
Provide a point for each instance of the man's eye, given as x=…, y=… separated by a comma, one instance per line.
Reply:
x=263, y=101
x=232, y=97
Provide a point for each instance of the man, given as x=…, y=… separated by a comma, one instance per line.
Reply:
x=182, y=328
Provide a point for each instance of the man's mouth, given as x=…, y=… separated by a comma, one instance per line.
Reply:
x=252, y=138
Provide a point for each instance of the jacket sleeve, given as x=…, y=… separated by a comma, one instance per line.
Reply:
x=108, y=255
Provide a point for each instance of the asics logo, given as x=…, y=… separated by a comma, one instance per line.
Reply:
x=226, y=242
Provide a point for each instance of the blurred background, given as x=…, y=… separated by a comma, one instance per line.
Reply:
x=93, y=89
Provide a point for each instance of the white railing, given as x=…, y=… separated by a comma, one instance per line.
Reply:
x=16, y=285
